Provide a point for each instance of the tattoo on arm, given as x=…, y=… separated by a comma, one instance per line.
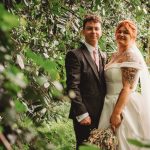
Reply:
x=129, y=75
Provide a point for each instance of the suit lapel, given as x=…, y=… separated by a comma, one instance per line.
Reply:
x=103, y=57
x=101, y=64
x=88, y=57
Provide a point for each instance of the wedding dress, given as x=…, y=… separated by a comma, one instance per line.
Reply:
x=134, y=120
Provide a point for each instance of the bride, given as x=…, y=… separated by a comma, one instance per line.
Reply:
x=127, y=102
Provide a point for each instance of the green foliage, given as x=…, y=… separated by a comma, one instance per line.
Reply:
x=20, y=107
x=139, y=143
x=48, y=65
x=15, y=79
x=7, y=20
x=62, y=135
x=54, y=131
x=88, y=147
x=1, y=129
x=32, y=93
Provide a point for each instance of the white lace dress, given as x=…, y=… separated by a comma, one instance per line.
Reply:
x=131, y=125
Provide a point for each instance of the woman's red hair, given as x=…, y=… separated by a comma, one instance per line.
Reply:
x=130, y=26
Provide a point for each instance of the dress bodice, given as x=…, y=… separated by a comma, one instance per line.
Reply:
x=113, y=77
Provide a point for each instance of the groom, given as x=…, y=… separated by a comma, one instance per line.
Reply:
x=85, y=80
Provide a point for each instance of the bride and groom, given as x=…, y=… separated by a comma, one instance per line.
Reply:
x=106, y=94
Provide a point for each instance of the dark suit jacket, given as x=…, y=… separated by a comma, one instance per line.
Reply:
x=86, y=81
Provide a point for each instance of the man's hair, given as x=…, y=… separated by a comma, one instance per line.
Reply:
x=93, y=18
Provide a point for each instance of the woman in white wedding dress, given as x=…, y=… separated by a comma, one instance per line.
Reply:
x=125, y=109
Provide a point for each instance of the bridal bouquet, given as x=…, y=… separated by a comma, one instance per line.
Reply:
x=104, y=139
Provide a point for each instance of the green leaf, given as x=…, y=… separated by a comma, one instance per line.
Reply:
x=7, y=20
x=137, y=2
x=88, y=147
x=12, y=87
x=48, y=65
x=1, y=129
x=102, y=43
x=15, y=76
x=20, y=107
x=135, y=142
x=139, y=143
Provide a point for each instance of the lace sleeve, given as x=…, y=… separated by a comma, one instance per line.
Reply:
x=131, y=60
x=131, y=56
x=130, y=68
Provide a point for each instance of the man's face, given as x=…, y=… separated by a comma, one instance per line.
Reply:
x=92, y=32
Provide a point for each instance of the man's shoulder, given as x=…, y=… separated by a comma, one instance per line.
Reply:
x=73, y=54
x=78, y=50
x=103, y=54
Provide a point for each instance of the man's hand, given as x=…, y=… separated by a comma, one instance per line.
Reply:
x=86, y=121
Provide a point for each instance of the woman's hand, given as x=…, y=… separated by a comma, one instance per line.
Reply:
x=115, y=120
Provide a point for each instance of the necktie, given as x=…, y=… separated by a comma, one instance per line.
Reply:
x=96, y=58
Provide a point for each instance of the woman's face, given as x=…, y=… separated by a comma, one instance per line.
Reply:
x=123, y=36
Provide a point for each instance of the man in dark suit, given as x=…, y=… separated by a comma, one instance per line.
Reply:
x=85, y=80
